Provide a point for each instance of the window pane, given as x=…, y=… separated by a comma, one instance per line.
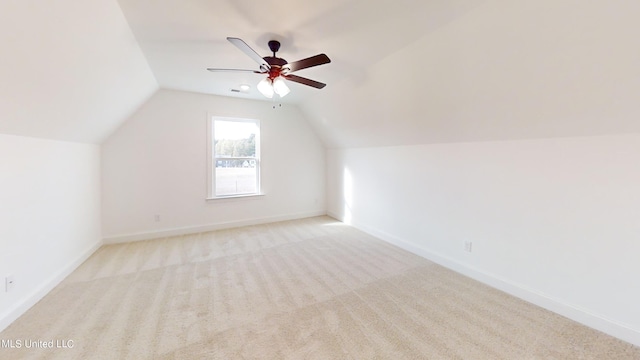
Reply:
x=235, y=138
x=236, y=151
x=232, y=179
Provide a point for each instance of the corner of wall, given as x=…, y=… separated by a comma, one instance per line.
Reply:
x=45, y=287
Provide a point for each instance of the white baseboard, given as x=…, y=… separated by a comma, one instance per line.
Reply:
x=148, y=235
x=335, y=216
x=576, y=313
x=25, y=304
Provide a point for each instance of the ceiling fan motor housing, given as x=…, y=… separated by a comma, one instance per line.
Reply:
x=276, y=63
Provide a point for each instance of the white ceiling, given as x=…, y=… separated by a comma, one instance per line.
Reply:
x=182, y=38
x=402, y=72
x=70, y=70
x=503, y=70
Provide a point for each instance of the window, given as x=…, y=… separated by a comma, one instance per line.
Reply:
x=235, y=157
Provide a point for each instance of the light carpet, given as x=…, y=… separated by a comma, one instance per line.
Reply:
x=305, y=289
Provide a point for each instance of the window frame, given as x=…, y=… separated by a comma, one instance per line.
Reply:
x=212, y=159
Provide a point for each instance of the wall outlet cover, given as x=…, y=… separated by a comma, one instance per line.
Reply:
x=9, y=283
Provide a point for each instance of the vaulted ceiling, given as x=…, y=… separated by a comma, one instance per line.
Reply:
x=402, y=72
x=69, y=70
x=182, y=38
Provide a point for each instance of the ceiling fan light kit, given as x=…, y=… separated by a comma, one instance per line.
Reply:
x=280, y=87
x=266, y=88
x=277, y=69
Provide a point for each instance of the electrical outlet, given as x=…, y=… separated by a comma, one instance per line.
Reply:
x=156, y=218
x=468, y=246
x=9, y=283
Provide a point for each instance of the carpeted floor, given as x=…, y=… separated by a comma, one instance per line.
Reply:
x=304, y=289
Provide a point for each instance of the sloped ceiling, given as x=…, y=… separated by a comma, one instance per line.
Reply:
x=69, y=70
x=402, y=72
x=182, y=38
x=504, y=70
x=408, y=72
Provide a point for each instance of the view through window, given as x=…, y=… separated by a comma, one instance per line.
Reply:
x=236, y=157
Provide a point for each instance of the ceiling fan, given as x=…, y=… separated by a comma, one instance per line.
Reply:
x=277, y=68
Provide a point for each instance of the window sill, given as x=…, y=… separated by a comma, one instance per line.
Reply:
x=235, y=197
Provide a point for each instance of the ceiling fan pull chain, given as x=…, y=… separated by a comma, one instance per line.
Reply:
x=273, y=100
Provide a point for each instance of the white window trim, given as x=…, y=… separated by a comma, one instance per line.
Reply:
x=211, y=175
x=236, y=197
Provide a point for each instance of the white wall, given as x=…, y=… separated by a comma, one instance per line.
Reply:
x=555, y=221
x=156, y=164
x=49, y=216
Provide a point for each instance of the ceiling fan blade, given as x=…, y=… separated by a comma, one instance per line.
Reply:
x=307, y=63
x=249, y=51
x=235, y=70
x=305, y=81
